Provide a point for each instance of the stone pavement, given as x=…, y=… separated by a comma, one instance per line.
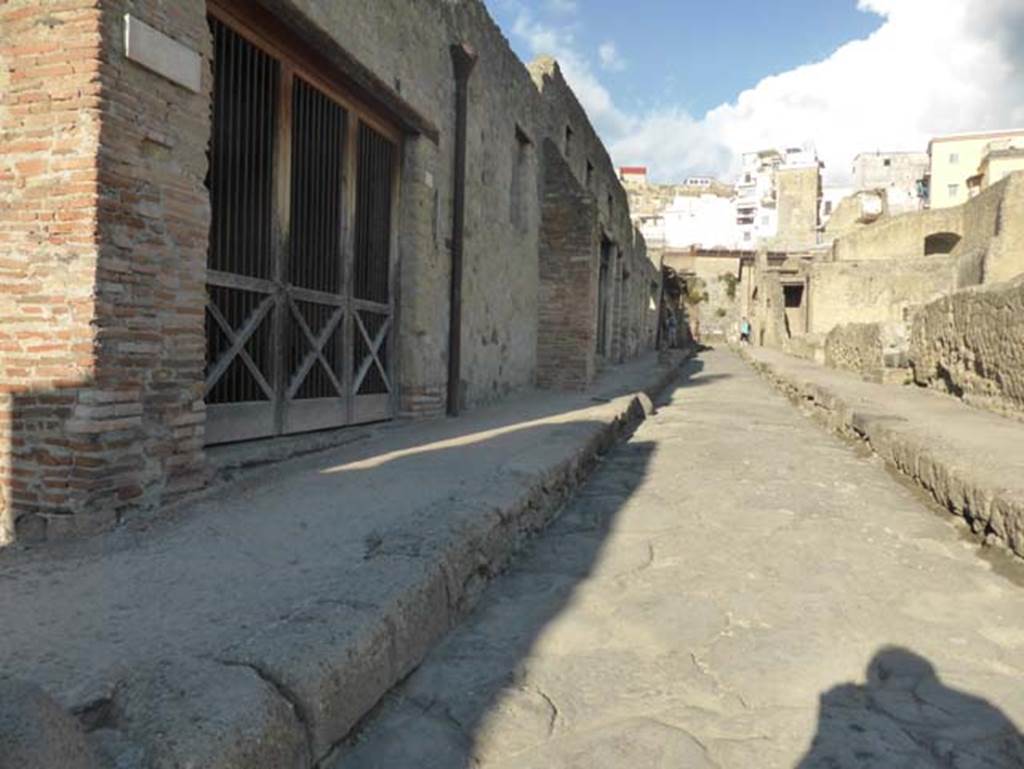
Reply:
x=254, y=628
x=971, y=461
x=734, y=587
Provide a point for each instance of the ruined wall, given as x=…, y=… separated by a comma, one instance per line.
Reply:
x=870, y=349
x=565, y=124
x=766, y=311
x=720, y=315
x=798, y=190
x=874, y=290
x=897, y=237
x=971, y=344
x=992, y=249
x=991, y=227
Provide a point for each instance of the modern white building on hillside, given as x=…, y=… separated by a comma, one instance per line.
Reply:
x=704, y=221
x=757, y=216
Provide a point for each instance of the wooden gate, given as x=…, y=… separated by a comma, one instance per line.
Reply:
x=302, y=251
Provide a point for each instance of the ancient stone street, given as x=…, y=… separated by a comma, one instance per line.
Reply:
x=734, y=587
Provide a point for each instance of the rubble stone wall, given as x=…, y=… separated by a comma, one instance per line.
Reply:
x=867, y=348
x=971, y=344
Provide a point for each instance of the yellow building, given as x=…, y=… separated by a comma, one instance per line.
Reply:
x=955, y=160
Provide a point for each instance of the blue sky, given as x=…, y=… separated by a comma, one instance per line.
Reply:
x=686, y=86
x=696, y=53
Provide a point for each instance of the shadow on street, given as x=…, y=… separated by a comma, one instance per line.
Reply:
x=905, y=716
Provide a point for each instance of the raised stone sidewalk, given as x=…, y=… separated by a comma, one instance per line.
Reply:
x=971, y=461
x=255, y=627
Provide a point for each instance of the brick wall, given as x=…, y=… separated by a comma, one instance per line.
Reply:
x=102, y=254
x=50, y=102
x=153, y=225
x=567, y=315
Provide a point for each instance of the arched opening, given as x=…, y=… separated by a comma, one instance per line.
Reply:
x=940, y=243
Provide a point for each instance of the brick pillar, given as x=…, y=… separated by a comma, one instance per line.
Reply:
x=569, y=260
x=103, y=228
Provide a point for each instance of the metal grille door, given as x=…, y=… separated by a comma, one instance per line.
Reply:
x=300, y=312
x=315, y=396
x=242, y=309
x=372, y=273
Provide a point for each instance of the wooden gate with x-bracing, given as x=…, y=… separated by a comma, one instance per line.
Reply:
x=302, y=252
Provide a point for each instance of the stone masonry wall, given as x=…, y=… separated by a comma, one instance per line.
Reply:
x=971, y=344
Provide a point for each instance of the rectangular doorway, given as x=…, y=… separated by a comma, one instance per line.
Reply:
x=302, y=256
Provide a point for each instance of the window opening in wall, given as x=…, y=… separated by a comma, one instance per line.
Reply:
x=520, y=162
x=568, y=141
x=887, y=162
x=954, y=158
x=298, y=339
x=590, y=174
x=940, y=243
x=794, y=296
x=953, y=190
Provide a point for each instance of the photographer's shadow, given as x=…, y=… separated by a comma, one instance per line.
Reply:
x=904, y=717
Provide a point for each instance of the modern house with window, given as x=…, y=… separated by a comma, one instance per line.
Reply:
x=956, y=158
x=234, y=220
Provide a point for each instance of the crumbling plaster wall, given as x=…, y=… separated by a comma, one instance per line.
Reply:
x=875, y=290
x=971, y=344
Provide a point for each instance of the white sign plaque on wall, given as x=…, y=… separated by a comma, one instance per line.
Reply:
x=161, y=54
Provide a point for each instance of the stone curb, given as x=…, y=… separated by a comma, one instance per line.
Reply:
x=289, y=696
x=994, y=514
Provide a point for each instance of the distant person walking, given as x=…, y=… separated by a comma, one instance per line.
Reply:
x=745, y=331
x=670, y=329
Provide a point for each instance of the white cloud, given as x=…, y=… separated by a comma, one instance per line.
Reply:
x=559, y=42
x=934, y=66
x=610, y=57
